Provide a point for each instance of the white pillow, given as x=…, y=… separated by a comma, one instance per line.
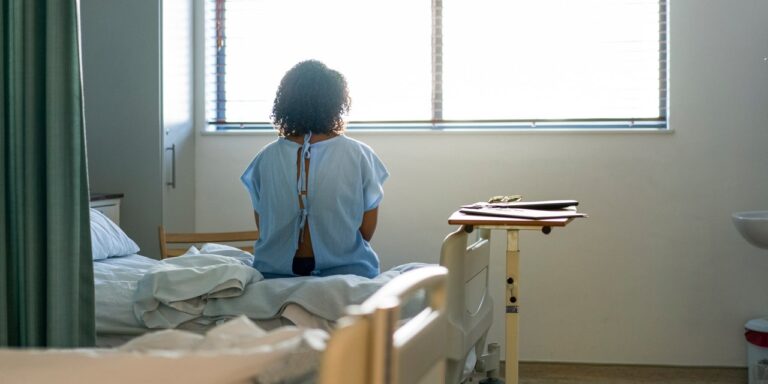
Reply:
x=107, y=239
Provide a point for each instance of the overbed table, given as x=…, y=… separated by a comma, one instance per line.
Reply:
x=512, y=296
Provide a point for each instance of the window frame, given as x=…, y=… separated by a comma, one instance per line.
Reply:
x=660, y=123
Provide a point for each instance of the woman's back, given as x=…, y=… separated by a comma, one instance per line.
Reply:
x=343, y=180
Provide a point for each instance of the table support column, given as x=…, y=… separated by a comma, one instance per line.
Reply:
x=512, y=303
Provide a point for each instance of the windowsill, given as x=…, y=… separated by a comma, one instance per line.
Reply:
x=456, y=131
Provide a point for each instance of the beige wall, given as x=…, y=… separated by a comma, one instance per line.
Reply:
x=657, y=274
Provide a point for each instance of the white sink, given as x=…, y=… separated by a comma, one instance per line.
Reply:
x=753, y=226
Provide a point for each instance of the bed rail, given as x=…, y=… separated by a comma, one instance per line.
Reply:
x=369, y=347
x=470, y=309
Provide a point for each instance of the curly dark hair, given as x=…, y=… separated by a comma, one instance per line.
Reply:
x=311, y=98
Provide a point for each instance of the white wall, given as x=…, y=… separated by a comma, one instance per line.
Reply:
x=657, y=274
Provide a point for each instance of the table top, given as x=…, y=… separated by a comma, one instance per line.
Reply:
x=460, y=218
x=105, y=196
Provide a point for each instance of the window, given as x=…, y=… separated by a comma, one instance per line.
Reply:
x=446, y=63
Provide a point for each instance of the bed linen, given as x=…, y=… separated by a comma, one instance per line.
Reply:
x=236, y=352
x=176, y=290
x=240, y=352
x=326, y=297
x=115, y=281
x=125, y=285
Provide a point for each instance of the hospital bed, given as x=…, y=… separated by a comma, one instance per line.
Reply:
x=467, y=309
x=470, y=307
x=368, y=346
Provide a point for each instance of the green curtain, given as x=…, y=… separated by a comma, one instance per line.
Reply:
x=46, y=271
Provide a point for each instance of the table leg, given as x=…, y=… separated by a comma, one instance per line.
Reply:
x=512, y=306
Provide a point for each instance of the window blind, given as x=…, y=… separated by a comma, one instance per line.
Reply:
x=447, y=63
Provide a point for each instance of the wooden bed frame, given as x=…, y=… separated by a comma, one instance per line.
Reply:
x=176, y=244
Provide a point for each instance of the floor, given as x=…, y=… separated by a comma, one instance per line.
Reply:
x=561, y=373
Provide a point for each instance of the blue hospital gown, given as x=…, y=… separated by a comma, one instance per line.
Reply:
x=345, y=180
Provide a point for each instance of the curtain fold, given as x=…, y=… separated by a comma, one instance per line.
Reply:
x=46, y=271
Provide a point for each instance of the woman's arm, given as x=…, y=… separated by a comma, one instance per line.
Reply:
x=369, y=223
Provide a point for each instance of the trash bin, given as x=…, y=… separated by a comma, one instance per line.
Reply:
x=756, y=332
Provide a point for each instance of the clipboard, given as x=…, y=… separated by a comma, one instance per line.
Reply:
x=522, y=213
x=541, y=205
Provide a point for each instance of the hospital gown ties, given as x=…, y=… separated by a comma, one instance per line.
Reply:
x=302, y=186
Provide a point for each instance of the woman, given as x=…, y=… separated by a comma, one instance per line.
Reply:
x=315, y=192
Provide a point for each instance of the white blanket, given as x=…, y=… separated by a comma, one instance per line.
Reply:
x=236, y=352
x=326, y=297
x=208, y=286
x=115, y=282
x=176, y=290
x=299, y=349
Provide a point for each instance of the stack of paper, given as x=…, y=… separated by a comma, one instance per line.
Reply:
x=535, y=210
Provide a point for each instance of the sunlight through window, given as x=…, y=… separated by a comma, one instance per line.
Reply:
x=443, y=61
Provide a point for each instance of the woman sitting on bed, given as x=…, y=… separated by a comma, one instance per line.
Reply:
x=315, y=192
